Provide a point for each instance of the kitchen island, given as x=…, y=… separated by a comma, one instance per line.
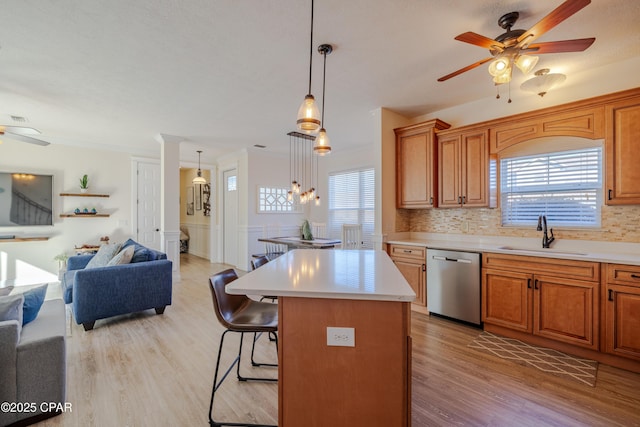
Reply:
x=358, y=374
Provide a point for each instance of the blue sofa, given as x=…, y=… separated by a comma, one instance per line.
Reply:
x=99, y=293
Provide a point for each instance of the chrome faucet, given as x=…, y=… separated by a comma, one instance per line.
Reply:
x=542, y=226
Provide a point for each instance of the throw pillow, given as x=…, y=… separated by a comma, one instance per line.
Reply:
x=123, y=257
x=104, y=255
x=6, y=290
x=140, y=253
x=33, y=299
x=11, y=308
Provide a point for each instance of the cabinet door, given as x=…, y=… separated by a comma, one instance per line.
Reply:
x=623, y=156
x=449, y=191
x=475, y=169
x=414, y=273
x=623, y=321
x=506, y=299
x=566, y=310
x=415, y=170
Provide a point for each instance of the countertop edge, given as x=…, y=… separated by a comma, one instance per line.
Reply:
x=610, y=258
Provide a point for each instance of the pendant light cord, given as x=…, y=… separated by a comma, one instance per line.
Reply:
x=311, y=49
x=324, y=78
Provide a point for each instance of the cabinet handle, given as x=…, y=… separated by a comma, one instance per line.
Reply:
x=431, y=200
x=464, y=200
x=407, y=251
x=535, y=284
x=610, y=191
x=610, y=294
x=424, y=267
x=528, y=283
x=635, y=276
x=459, y=200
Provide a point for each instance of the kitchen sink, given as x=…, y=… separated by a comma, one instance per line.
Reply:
x=541, y=251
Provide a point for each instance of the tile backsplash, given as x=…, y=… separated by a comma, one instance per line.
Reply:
x=619, y=224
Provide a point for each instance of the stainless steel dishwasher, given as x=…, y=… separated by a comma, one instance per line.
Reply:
x=453, y=284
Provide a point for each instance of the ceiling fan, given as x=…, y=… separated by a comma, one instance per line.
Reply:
x=21, y=133
x=513, y=46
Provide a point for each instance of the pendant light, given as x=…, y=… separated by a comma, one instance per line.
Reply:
x=199, y=179
x=308, y=114
x=322, y=145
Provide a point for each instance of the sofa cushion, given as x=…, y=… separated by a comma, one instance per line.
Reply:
x=11, y=308
x=6, y=290
x=140, y=253
x=104, y=255
x=123, y=257
x=33, y=299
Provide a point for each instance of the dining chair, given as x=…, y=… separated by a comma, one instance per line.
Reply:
x=259, y=262
x=239, y=313
x=351, y=236
x=319, y=229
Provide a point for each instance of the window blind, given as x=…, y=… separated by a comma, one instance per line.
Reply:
x=565, y=186
x=352, y=201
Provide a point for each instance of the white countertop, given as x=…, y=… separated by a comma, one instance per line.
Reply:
x=327, y=273
x=608, y=252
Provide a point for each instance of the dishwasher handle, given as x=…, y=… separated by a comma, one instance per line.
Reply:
x=443, y=258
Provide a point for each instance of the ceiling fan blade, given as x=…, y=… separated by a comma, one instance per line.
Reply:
x=478, y=40
x=556, y=16
x=25, y=138
x=467, y=68
x=577, y=45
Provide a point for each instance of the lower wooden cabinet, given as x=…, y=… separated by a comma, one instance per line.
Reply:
x=411, y=261
x=552, y=305
x=622, y=311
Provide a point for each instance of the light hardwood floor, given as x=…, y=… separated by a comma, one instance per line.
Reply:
x=150, y=370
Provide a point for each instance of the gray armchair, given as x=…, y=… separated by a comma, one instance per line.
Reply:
x=34, y=365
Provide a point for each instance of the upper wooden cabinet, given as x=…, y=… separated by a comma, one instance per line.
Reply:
x=463, y=168
x=622, y=152
x=582, y=122
x=416, y=157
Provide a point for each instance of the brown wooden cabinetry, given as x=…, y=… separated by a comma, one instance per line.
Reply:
x=411, y=261
x=463, y=168
x=551, y=298
x=622, y=311
x=622, y=154
x=416, y=158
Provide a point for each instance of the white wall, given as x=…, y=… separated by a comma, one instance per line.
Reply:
x=109, y=172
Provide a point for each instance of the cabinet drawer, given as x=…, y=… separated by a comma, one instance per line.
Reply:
x=623, y=274
x=580, y=270
x=406, y=251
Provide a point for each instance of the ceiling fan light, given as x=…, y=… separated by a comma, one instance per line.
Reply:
x=526, y=63
x=502, y=78
x=543, y=82
x=308, y=115
x=322, y=146
x=499, y=66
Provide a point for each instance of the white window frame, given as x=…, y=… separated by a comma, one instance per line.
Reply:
x=542, y=191
x=280, y=205
x=365, y=210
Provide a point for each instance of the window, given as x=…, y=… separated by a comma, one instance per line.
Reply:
x=271, y=199
x=232, y=183
x=352, y=201
x=565, y=186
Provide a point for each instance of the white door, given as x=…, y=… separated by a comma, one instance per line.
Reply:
x=148, y=205
x=230, y=220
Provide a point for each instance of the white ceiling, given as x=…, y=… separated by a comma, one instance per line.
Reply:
x=228, y=74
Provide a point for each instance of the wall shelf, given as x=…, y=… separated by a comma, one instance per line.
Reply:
x=84, y=195
x=25, y=239
x=72, y=215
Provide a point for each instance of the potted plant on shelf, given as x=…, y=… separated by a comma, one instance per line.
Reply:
x=84, y=183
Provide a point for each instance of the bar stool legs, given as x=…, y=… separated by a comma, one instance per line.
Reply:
x=236, y=362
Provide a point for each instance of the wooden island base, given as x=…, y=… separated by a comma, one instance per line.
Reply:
x=366, y=385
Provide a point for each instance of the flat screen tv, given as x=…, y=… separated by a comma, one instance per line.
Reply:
x=26, y=199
